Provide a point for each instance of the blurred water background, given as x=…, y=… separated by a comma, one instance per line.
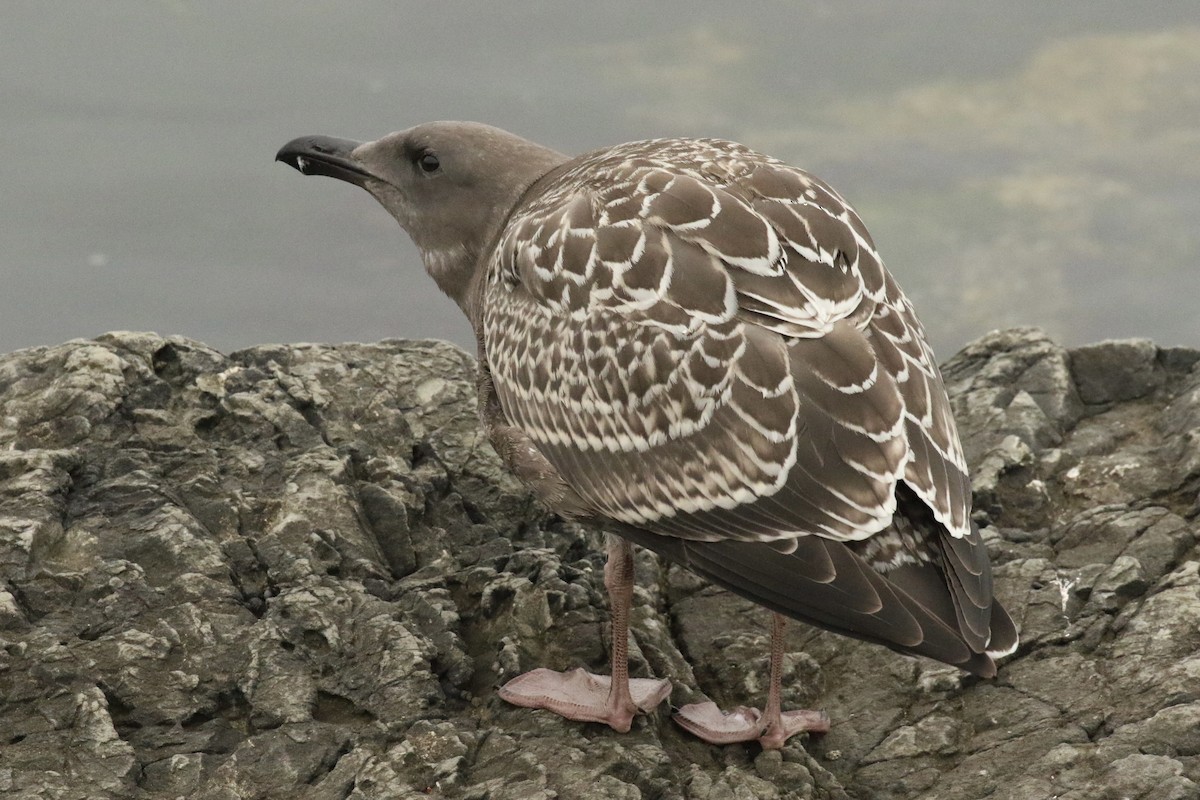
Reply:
x=1020, y=162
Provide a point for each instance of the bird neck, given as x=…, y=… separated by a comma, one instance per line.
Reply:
x=459, y=266
x=457, y=269
x=450, y=267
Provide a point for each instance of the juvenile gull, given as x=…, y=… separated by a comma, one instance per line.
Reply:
x=698, y=346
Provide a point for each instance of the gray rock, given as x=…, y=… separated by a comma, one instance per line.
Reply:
x=1113, y=371
x=299, y=571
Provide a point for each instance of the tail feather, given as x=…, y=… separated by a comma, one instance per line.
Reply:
x=1005, y=639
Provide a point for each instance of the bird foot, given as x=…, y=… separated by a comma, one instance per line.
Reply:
x=581, y=696
x=708, y=722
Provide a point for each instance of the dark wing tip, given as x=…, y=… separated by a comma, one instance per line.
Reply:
x=853, y=601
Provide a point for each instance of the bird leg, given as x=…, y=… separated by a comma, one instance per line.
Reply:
x=579, y=695
x=771, y=728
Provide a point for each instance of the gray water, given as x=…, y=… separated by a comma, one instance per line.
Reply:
x=1021, y=162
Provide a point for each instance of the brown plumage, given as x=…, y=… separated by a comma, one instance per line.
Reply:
x=699, y=345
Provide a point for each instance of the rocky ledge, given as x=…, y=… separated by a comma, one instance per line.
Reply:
x=298, y=571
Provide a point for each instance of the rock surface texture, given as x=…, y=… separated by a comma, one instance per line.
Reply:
x=298, y=571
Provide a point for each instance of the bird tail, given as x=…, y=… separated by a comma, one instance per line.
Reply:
x=1005, y=638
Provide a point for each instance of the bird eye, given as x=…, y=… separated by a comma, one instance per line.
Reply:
x=428, y=162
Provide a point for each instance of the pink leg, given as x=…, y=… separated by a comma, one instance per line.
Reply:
x=771, y=728
x=579, y=695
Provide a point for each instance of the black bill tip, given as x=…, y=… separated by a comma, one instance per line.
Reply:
x=324, y=155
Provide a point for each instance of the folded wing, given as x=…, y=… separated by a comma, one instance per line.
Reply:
x=705, y=345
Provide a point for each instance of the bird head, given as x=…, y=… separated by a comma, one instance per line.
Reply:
x=450, y=185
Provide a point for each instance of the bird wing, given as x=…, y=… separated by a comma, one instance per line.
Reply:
x=704, y=343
